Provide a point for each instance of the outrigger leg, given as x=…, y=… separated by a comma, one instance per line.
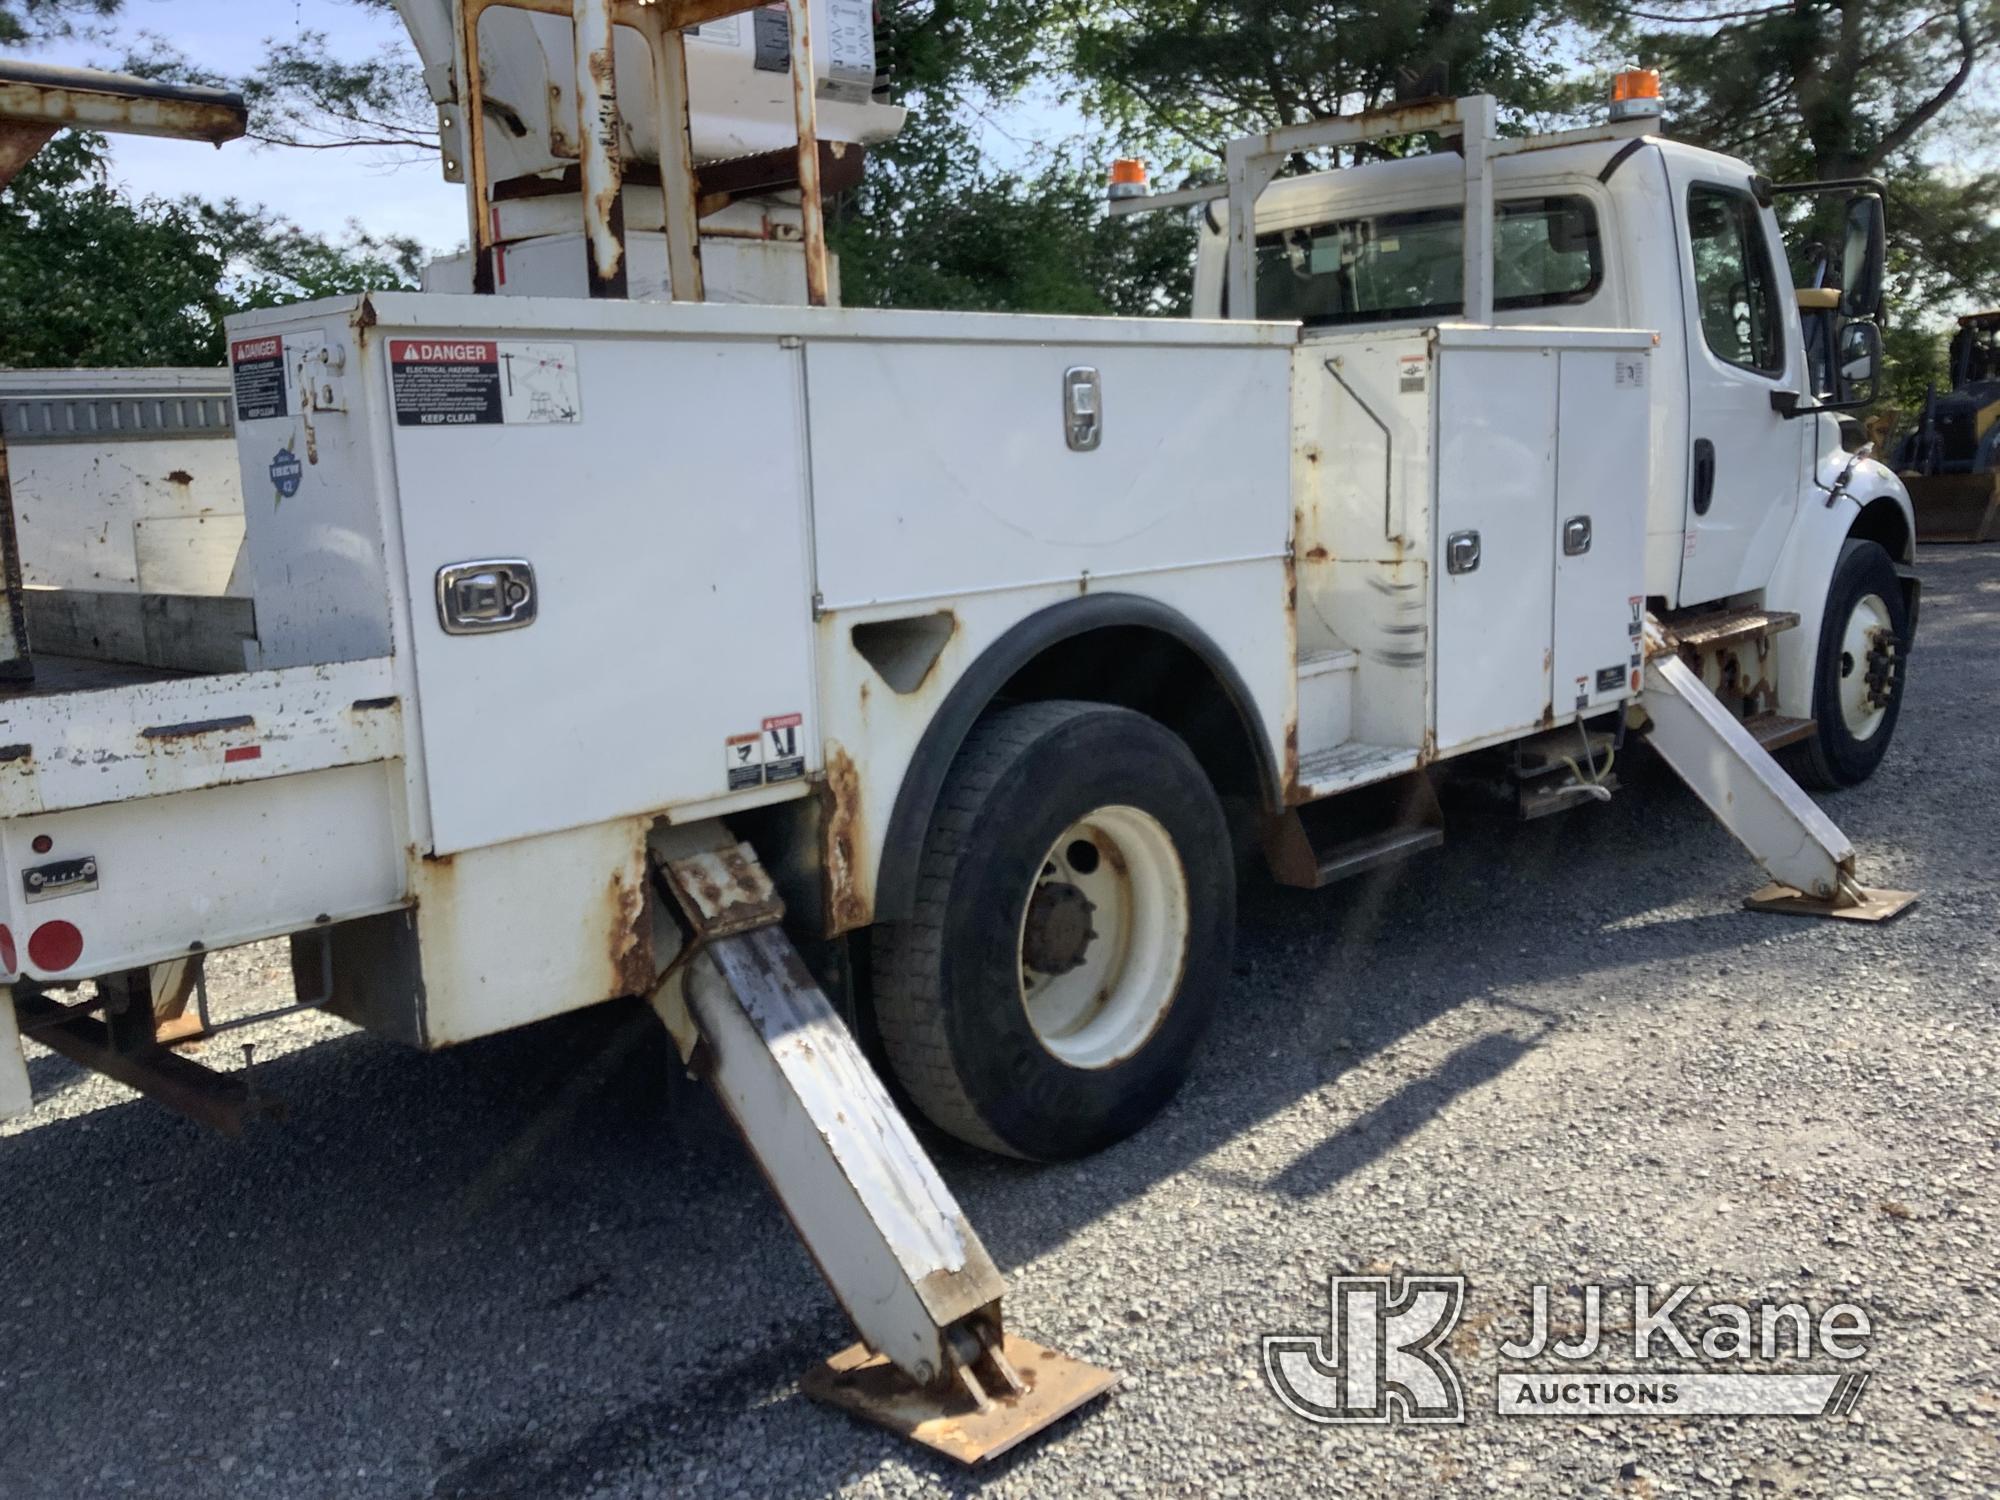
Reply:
x=1809, y=860
x=934, y=1362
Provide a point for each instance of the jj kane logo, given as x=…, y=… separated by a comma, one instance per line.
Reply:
x=1384, y=1356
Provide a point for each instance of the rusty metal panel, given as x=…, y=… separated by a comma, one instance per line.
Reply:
x=35, y=94
x=86, y=747
x=598, y=132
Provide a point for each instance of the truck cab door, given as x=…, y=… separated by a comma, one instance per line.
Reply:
x=1743, y=348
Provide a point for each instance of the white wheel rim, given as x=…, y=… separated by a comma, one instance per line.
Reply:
x=1115, y=985
x=1869, y=630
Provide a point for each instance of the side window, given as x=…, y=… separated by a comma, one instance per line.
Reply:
x=1547, y=252
x=1736, y=293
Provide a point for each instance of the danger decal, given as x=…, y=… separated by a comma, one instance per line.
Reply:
x=784, y=757
x=257, y=367
x=448, y=382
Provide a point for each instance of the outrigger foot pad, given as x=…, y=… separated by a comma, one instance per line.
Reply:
x=1862, y=905
x=962, y=1419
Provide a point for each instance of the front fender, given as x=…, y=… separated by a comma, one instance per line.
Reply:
x=1874, y=503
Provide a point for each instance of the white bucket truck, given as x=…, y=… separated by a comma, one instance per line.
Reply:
x=607, y=647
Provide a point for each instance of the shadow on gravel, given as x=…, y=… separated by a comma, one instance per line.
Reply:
x=530, y=1263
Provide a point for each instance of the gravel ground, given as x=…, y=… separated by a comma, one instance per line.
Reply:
x=1556, y=1053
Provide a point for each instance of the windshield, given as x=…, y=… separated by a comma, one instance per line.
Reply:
x=1546, y=252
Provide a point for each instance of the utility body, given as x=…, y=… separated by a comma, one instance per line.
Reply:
x=592, y=637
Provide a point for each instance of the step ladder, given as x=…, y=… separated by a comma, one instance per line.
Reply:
x=1726, y=764
x=935, y=1363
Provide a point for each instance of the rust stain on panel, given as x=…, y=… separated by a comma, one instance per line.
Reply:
x=842, y=832
x=631, y=945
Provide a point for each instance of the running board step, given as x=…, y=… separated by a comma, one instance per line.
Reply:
x=935, y=1363
x=1353, y=834
x=1775, y=731
x=1720, y=759
x=1706, y=632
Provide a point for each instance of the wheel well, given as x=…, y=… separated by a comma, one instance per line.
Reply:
x=1136, y=667
x=1881, y=521
x=1109, y=648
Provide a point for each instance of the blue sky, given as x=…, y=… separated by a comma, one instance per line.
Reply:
x=321, y=190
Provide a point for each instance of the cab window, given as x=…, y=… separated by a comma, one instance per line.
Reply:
x=1735, y=289
x=1546, y=252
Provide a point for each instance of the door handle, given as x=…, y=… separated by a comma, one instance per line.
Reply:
x=477, y=598
x=1576, y=536
x=1704, y=475
x=1083, y=410
x=1461, y=552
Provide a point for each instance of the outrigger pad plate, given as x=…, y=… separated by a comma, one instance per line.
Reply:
x=868, y=1386
x=1874, y=906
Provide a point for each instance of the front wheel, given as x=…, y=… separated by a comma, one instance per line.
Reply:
x=1075, y=911
x=1858, y=676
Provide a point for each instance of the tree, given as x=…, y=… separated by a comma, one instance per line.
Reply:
x=26, y=21
x=88, y=276
x=1204, y=72
x=302, y=95
x=937, y=226
x=1838, y=88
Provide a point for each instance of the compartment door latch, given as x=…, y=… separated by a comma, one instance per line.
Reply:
x=492, y=594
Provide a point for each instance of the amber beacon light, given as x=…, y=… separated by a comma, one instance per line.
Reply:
x=1128, y=178
x=1634, y=93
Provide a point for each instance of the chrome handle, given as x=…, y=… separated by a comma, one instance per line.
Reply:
x=1083, y=414
x=1461, y=552
x=493, y=594
x=1576, y=536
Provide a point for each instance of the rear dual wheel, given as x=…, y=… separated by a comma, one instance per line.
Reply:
x=1074, y=919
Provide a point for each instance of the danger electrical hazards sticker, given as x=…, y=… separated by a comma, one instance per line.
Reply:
x=258, y=369
x=446, y=382
x=774, y=754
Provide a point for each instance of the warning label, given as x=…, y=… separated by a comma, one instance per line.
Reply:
x=259, y=370
x=483, y=382
x=743, y=759
x=784, y=760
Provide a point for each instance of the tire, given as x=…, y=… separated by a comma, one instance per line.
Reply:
x=1866, y=629
x=1010, y=1019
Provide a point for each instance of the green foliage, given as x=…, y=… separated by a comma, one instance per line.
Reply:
x=27, y=21
x=90, y=277
x=935, y=226
x=301, y=94
x=1204, y=72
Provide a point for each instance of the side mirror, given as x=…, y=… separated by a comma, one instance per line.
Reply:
x=1864, y=258
x=1859, y=363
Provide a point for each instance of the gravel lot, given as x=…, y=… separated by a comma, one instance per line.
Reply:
x=542, y=1267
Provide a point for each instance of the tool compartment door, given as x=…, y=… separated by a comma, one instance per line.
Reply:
x=658, y=493
x=1603, y=437
x=1496, y=498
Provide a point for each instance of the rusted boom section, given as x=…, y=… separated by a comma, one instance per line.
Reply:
x=35, y=96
